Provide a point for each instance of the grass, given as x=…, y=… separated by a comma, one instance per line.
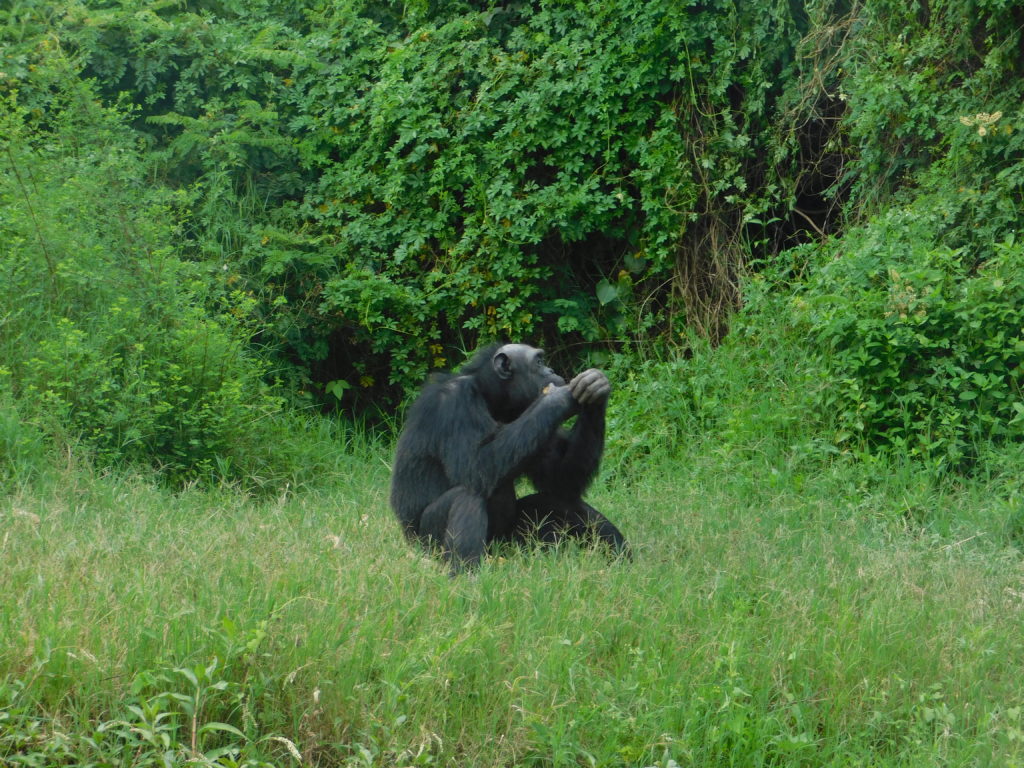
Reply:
x=809, y=618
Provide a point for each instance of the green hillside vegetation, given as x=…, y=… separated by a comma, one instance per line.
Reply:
x=236, y=236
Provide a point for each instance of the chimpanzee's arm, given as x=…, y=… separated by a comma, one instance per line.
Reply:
x=571, y=459
x=480, y=453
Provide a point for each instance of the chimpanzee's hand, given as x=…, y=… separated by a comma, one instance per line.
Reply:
x=591, y=387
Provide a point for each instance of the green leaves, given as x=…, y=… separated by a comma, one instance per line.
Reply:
x=924, y=353
x=606, y=292
x=444, y=175
x=337, y=388
x=113, y=341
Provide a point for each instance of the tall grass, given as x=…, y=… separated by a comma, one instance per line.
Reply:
x=767, y=619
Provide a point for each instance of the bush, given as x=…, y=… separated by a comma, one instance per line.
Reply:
x=524, y=172
x=922, y=342
x=397, y=182
x=916, y=313
x=751, y=398
x=110, y=339
x=912, y=76
x=23, y=454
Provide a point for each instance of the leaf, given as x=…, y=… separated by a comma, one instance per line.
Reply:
x=225, y=727
x=635, y=264
x=189, y=675
x=337, y=388
x=606, y=292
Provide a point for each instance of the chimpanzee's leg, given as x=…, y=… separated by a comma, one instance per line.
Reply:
x=456, y=522
x=547, y=518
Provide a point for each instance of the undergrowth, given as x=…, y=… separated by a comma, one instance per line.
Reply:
x=111, y=343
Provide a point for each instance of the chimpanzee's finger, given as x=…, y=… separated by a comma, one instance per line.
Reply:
x=591, y=386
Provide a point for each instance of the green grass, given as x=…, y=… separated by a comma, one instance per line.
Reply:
x=829, y=615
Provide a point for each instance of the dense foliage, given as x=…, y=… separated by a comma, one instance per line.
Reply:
x=396, y=186
x=927, y=356
x=905, y=335
x=919, y=312
x=351, y=193
x=109, y=337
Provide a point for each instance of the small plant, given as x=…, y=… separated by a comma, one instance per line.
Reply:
x=23, y=451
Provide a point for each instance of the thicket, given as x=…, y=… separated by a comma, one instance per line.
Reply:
x=918, y=314
x=399, y=181
x=360, y=191
x=902, y=333
x=109, y=338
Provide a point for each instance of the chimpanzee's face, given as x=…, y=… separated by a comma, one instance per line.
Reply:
x=524, y=374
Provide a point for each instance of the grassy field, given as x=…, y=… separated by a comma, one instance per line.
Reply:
x=841, y=616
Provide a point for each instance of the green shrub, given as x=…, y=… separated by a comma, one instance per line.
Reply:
x=911, y=74
x=109, y=338
x=398, y=182
x=916, y=314
x=752, y=397
x=924, y=346
x=525, y=172
x=180, y=392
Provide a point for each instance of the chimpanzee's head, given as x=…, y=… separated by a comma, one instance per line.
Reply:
x=511, y=377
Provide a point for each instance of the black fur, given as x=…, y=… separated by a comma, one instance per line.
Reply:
x=470, y=435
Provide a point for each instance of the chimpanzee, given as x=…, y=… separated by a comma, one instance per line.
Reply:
x=470, y=435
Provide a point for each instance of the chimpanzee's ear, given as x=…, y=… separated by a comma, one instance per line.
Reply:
x=502, y=366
